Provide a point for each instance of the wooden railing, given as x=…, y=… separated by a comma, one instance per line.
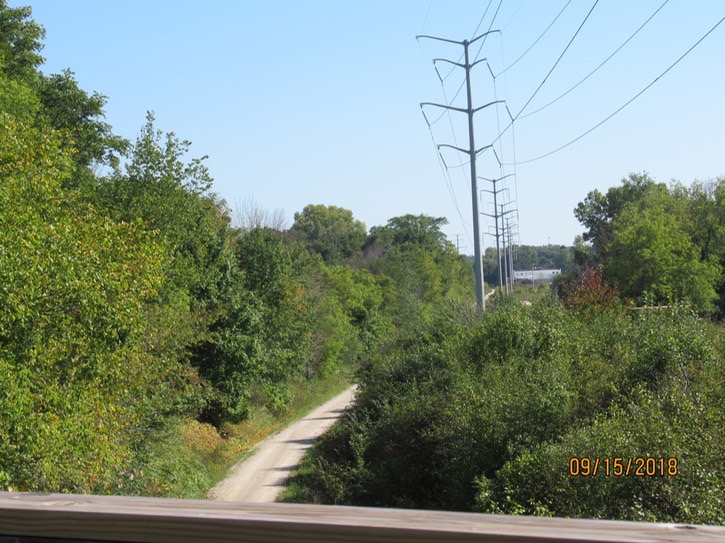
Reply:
x=35, y=517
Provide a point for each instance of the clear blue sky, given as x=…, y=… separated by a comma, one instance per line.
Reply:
x=300, y=102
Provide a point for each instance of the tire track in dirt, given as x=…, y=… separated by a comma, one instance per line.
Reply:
x=263, y=475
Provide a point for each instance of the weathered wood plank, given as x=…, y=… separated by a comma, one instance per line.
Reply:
x=155, y=520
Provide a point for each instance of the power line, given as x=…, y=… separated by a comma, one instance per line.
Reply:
x=472, y=36
x=602, y=64
x=513, y=137
x=558, y=59
x=536, y=41
x=498, y=120
x=514, y=118
x=483, y=17
x=449, y=182
x=485, y=36
x=430, y=80
x=425, y=19
x=516, y=12
x=626, y=103
x=472, y=152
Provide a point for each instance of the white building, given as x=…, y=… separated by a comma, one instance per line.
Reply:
x=536, y=276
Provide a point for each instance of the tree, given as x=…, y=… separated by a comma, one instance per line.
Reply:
x=591, y=293
x=74, y=294
x=20, y=43
x=170, y=194
x=268, y=273
x=62, y=104
x=597, y=211
x=526, y=257
x=248, y=215
x=658, y=242
x=409, y=230
x=424, y=266
x=361, y=295
x=74, y=113
x=651, y=254
x=704, y=219
x=330, y=231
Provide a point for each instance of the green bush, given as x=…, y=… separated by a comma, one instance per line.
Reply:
x=484, y=412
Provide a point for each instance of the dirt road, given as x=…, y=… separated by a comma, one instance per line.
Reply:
x=262, y=476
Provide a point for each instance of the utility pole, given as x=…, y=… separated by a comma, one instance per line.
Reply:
x=513, y=244
x=458, y=244
x=502, y=214
x=511, y=256
x=505, y=261
x=471, y=151
x=495, y=217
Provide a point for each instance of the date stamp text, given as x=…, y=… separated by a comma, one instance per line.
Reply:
x=623, y=467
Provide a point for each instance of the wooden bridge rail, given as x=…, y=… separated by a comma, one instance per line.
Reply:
x=38, y=517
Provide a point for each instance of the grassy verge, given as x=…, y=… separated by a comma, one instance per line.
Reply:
x=300, y=487
x=188, y=458
x=526, y=293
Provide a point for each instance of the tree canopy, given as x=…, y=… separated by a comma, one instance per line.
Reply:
x=330, y=231
x=412, y=230
x=657, y=243
x=20, y=43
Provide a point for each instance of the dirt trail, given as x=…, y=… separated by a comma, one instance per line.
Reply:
x=262, y=476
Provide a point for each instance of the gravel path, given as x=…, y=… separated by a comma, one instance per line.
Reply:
x=262, y=476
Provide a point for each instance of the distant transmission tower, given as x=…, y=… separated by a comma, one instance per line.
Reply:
x=496, y=217
x=471, y=151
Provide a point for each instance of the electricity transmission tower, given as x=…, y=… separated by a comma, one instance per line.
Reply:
x=510, y=234
x=505, y=236
x=496, y=216
x=471, y=151
x=458, y=243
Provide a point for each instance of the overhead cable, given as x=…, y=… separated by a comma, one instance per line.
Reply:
x=535, y=41
x=472, y=36
x=628, y=101
x=558, y=59
x=600, y=65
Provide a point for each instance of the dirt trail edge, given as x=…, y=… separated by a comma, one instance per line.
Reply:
x=262, y=476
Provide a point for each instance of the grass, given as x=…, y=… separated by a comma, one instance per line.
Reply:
x=530, y=293
x=298, y=489
x=190, y=457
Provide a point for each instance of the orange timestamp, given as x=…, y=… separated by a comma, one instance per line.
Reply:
x=623, y=467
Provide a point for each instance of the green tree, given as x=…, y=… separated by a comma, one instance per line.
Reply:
x=75, y=289
x=329, y=333
x=170, y=194
x=79, y=116
x=423, y=266
x=597, y=211
x=526, y=257
x=412, y=230
x=18, y=101
x=330, y=231
x=704, y=219
x=660, y=242
x=268, y=273
x=361, y=296
x=20, y=43
x=651, y=254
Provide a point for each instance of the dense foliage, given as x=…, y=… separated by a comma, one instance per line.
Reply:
x=484, y=413
x=130, y=306
x=513, y=410
x=528, y=257
x=135, y=317
x=659, y=244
